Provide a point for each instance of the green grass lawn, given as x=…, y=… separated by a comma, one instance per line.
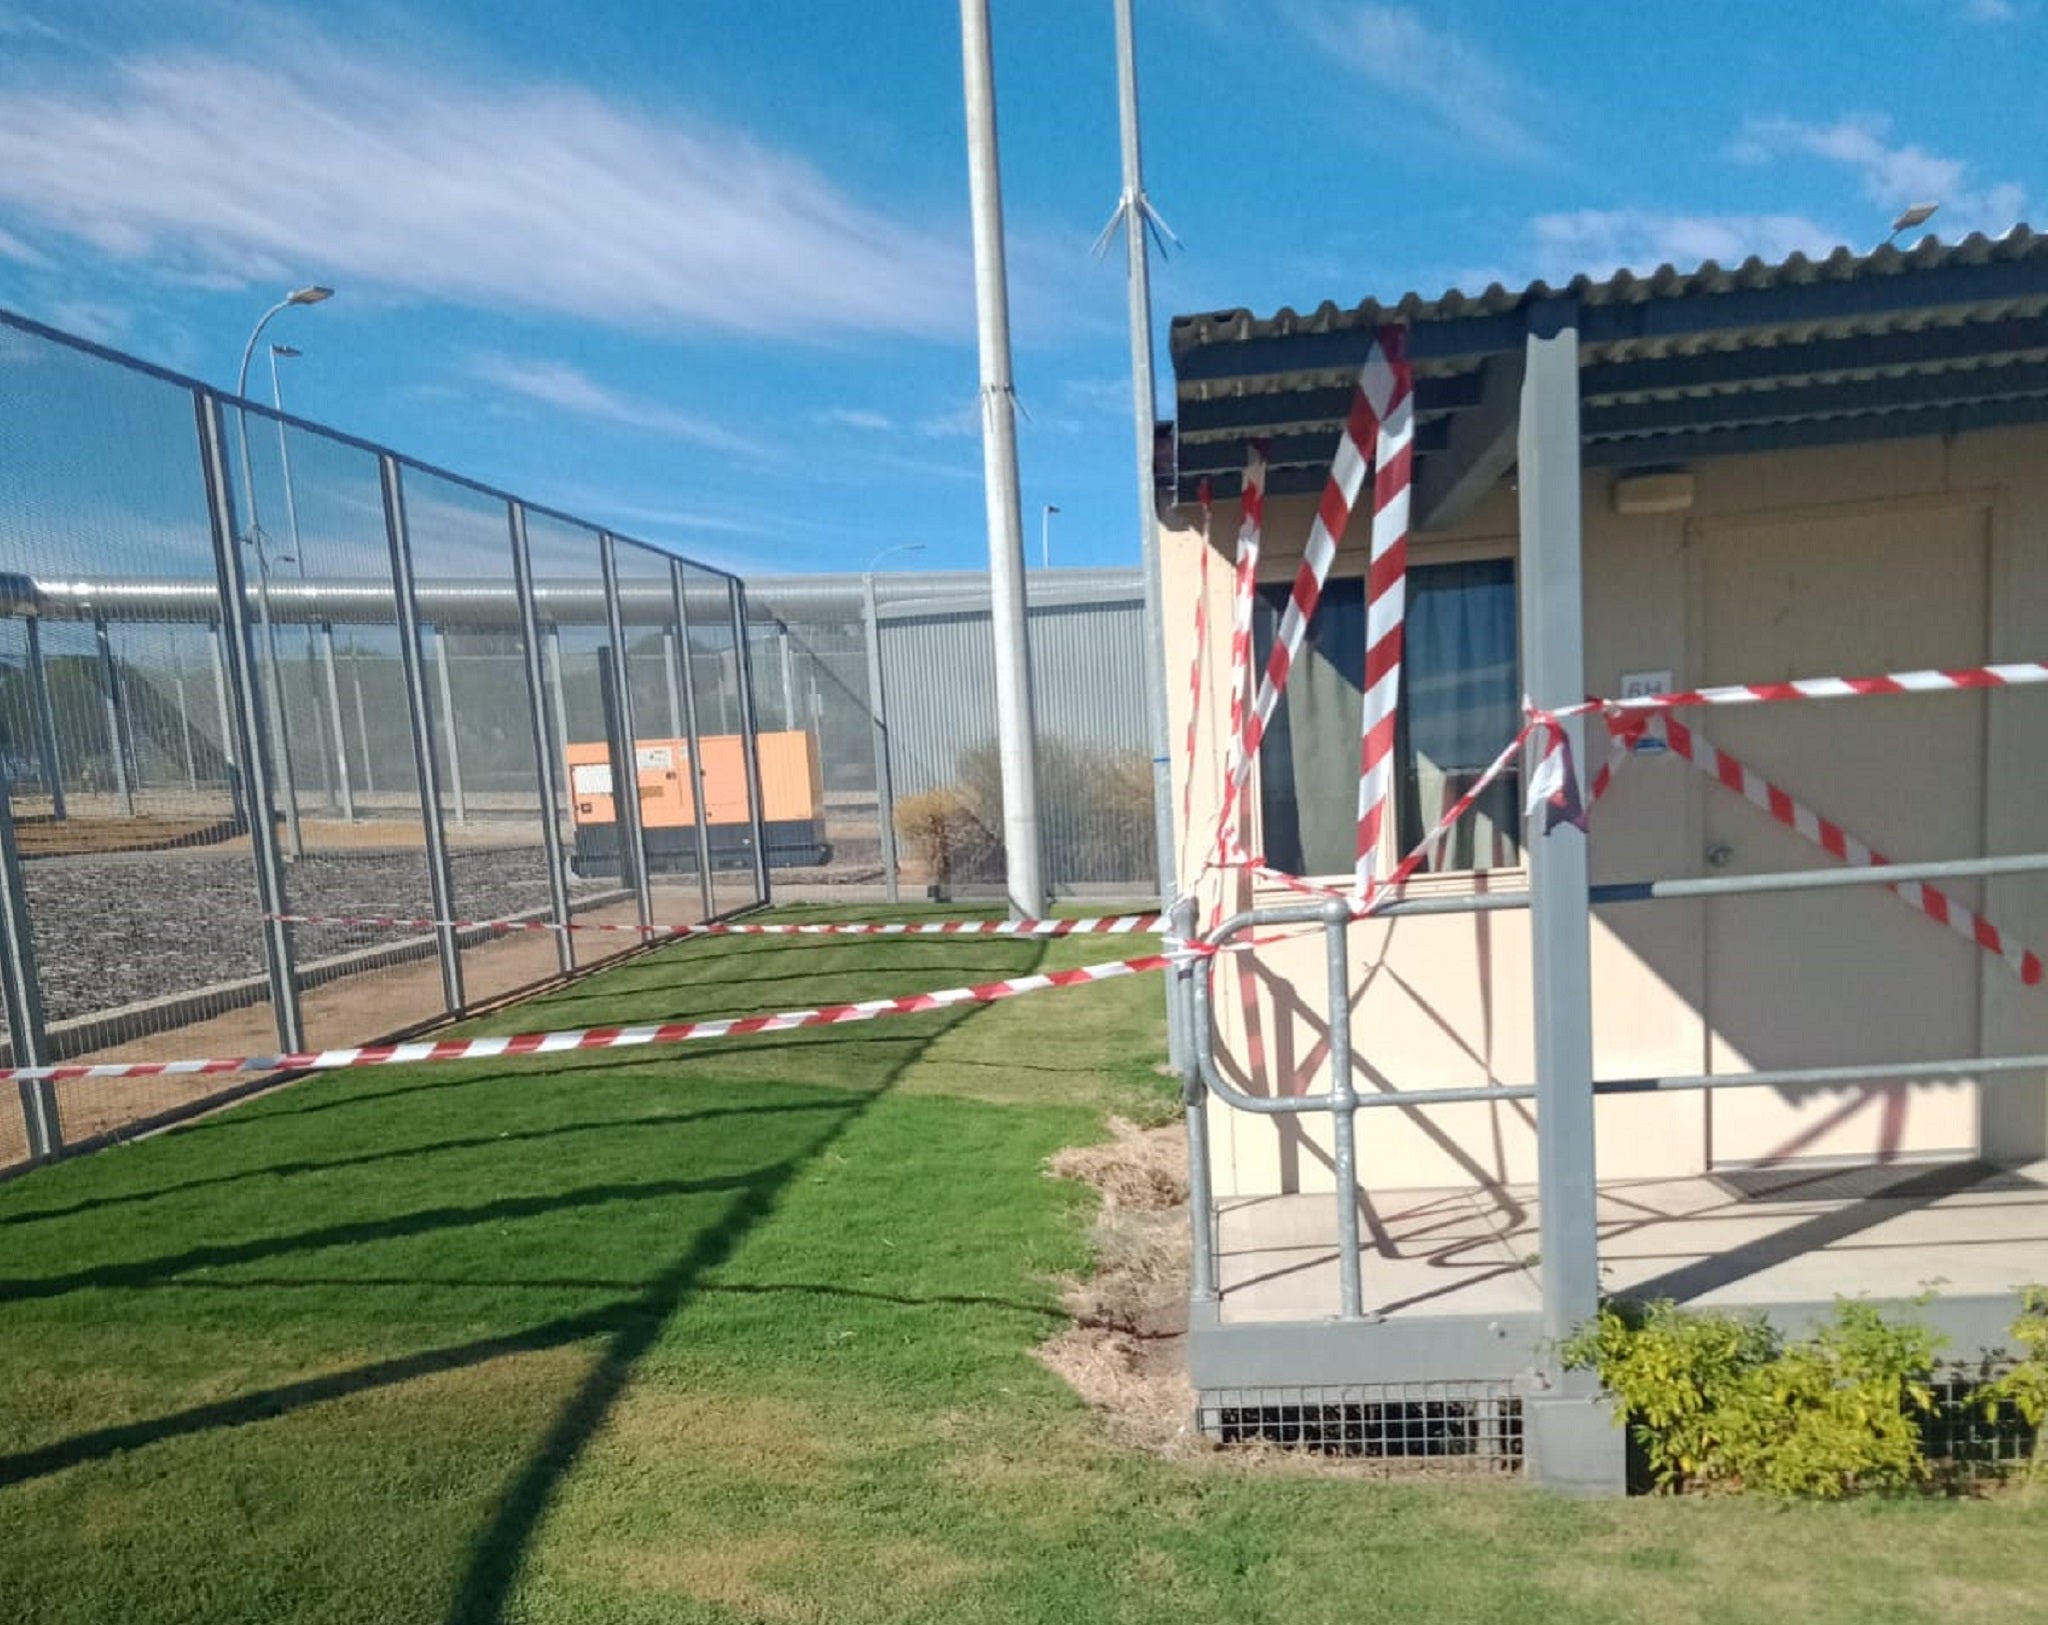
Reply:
x=740, y=1331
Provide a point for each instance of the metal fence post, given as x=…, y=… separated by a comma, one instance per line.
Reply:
x=1195, y=1101
x=1571, y=1442
x=699, y=816
x=23, y=993
x=440, y=881
x=750, y=733
x=333, y=686
x=626, y=748
x=355, y=682
x=878, y=724
x=114, y=701
x=230, y=752
x=548, y=769
x=184, y=718
x=46, y=719
x=245, y=695
x=668, y=680
x=444, y=679
x=788, y=676
x=1343, y=1107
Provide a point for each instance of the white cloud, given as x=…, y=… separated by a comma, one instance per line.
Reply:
x=557, y=384
x=1418, y=67
x=857, y=417
x=324, y=160
x=1597, y=241
x=954, y=423
x=1890, y=176
x=13, y=248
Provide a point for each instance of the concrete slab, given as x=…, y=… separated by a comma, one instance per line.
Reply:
x=1748, y=1239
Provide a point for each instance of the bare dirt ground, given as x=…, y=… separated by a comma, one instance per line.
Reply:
x=1126, y=1351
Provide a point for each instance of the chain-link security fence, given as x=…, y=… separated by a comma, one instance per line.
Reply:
x=251, y=668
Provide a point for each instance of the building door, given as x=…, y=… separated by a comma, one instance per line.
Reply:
x=1832, y=978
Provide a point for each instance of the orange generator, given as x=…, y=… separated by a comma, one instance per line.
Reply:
x=792, y=802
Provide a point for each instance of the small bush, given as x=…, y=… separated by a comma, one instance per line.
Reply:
x=2023, y=1388
x=1094, y=810
x=947, y=837
x=1721, y=1401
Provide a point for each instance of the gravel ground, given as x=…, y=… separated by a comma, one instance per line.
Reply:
x=116, y=929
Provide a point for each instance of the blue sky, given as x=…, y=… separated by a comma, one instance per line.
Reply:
x=701, y=271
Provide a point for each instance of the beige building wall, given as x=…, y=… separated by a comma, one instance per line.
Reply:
x=1834, y=562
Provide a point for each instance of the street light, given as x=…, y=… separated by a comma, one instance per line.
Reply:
x=311, y=295
x=1045, y=536
x=900, y=547
x=1914, y=214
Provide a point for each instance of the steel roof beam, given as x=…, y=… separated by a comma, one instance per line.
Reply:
x=1927, y=346
x=1312, y=451
x=1954, y=387
x=1479, y=449
x=1299, y=408
x=1658, y=450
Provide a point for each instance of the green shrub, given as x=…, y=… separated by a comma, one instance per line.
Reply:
x=1721, y=1401
x=2023, y=1388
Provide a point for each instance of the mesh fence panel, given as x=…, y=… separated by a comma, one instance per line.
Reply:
x=138, y=877
x=122, y=740
x=575, y=649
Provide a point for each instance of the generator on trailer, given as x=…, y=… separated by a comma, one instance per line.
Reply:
x=792, y=802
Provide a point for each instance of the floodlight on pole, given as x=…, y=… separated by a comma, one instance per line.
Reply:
x=1045, y=535
x=312, y=294
x=1910, y=217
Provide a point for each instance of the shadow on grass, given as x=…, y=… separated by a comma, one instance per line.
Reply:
x=288, y=1170
x=628, y=1328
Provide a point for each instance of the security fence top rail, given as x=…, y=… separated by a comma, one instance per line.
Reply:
x=470, y=605
x=246, y=408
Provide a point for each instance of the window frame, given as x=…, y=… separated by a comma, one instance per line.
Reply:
x=1439, y=883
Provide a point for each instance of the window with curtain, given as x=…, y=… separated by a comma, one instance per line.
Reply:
x=1460, y=704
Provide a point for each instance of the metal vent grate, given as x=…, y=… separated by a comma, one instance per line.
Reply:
x=1471, y=1425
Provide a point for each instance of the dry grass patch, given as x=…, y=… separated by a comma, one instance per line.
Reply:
x=656, y=1429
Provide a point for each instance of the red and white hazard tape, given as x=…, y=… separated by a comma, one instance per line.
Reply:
x=593, y=1038
x=1828, y=835
x=2010, y=675
x=1106, y=925
x=1389, y=388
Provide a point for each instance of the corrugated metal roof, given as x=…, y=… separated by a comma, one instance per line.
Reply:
x=1935, y=338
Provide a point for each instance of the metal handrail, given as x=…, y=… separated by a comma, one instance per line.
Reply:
x=1202, y=1077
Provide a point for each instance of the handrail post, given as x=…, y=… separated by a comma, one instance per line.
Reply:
x=1195, y=1103
x=1343, y=1107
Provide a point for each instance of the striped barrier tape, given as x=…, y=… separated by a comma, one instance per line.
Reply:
x=2012, y=674
x=1832, y=838
x=1389, y=387
x=1112, y=925
x=596, y=1038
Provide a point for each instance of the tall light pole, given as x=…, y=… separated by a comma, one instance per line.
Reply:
x=311, y=295
x=1015, y=728
x=1045, y=535
x=331, y=717
x=878, y=716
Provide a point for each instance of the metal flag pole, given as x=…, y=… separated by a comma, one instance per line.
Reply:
x=1015, y=726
